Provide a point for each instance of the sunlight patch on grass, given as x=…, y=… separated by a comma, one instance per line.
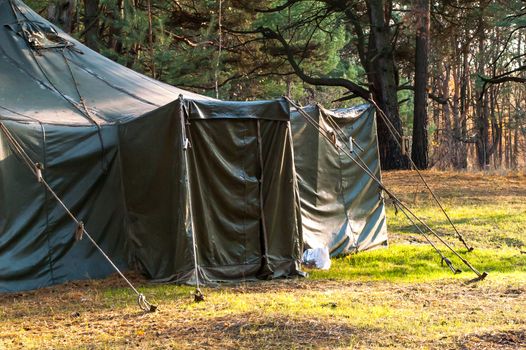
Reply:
x=485, y=226
x=419, y=263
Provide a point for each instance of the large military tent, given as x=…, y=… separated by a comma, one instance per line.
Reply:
x=120, y=150
x=174, y=184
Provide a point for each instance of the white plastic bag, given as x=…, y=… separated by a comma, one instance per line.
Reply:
x=317, y=257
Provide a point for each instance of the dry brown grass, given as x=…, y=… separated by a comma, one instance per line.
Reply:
x=273, y=315
x=454, y=186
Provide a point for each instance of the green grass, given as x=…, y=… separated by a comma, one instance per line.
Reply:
x=490, y=225
x=420, y=263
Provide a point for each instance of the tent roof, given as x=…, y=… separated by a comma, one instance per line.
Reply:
x=44, y=84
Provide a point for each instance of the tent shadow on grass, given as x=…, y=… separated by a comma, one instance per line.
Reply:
x=251, y=330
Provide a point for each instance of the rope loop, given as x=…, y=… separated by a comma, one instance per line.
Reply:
x=144, y=304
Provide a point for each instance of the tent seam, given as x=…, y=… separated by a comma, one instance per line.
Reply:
x=46, y=205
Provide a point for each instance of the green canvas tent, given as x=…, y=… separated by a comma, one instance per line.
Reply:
x=111, y=144
x=172, y=183
x=233, y=189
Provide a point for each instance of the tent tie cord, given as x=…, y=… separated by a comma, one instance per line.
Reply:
x=399, y=139
x=437, y=250
x=450, y=265
x=395, y=205
x=187, y=144
x=36, y=168
x=402, y=206
x=79, y=232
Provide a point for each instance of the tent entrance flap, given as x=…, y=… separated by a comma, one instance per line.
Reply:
x=242, y=190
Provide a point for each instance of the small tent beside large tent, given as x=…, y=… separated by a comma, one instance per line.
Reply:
x=172, y=183
x=342, y=207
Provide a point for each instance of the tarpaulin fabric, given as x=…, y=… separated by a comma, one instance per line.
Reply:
x=37, y=243
x=342, y=207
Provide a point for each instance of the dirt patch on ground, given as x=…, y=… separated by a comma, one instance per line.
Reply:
x=505, y=340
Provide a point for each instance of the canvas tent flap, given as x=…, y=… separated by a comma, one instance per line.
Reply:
x=156, y=194
x=341, y=205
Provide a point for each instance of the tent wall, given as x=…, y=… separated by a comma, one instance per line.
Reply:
x=37, y=244
x=156, y=195
x=341, y=205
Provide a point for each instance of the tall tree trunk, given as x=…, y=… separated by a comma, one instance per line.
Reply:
x=419, y=150
x=383, y=81
x=150, y=40
x=515, y=157
x=63, y=14
x=458, y=146
x=116, y=14
x=464, y=109
x=91, y=24
x=496, y=130
x=446, y=132
x=481, y=109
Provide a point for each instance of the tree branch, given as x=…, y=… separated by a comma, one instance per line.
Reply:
x=438, y=99
x=502, y=78
x=319, y=81
x=289, y=3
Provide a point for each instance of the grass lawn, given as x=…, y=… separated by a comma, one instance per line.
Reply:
x=400, y=297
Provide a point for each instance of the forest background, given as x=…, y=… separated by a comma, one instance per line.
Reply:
x=449, y=75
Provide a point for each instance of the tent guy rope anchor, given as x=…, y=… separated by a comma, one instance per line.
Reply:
x=401, y=205
x=36, y=168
